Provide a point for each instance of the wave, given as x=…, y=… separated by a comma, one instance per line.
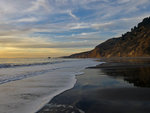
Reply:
x=31, y=87
x=32, y=64
x=23, y=76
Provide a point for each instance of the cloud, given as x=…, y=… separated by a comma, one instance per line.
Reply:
x=123, y=1
x=36, y=5
x=66, y=23
x=101, y=25
x=36, y=43
x=72, y=15
x=31, y=19
x=56, y=45
x=78, y=25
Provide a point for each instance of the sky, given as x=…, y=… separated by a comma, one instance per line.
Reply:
x=42, y=28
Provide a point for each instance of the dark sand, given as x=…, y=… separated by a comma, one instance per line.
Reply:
x=119, y=86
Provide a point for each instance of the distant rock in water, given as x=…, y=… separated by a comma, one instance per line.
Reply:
x=135, y=43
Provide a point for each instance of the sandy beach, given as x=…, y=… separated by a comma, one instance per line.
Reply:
x=118, y=86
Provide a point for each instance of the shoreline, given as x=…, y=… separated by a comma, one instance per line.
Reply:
x=55, y=94
x=59, y=104
x=31, y=87
x=64, y=90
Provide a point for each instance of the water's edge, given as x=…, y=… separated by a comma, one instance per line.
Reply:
x=67, y=88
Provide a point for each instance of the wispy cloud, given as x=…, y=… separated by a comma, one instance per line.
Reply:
x=30, y=19
x=36, y=5
x=72, y=15
x=24, y=42
x=66, y=23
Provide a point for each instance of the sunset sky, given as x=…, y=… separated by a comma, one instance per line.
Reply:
x=42, y=28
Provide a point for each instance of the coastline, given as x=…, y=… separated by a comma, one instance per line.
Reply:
x=28, y=88
x=67, y=89
x=96, y=90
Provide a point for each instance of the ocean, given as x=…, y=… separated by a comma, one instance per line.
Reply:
x=28, y=84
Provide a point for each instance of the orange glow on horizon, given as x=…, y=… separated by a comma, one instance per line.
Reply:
x=37, y=53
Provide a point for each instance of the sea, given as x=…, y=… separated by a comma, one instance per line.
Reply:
x=27, y=84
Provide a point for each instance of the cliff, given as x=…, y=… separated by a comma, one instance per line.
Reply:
x=135, y=43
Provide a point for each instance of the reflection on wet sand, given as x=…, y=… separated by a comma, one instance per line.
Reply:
x=132, y=72
x=113, y=87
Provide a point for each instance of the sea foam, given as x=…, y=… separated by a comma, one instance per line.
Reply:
x=25, y=89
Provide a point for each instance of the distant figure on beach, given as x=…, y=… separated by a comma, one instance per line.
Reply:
x=49, y=57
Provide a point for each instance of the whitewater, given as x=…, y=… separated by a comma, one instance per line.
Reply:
x=26, y=85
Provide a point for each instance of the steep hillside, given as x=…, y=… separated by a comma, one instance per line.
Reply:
x=135, y=43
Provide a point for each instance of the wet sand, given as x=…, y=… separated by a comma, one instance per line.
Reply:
x=118, y=86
